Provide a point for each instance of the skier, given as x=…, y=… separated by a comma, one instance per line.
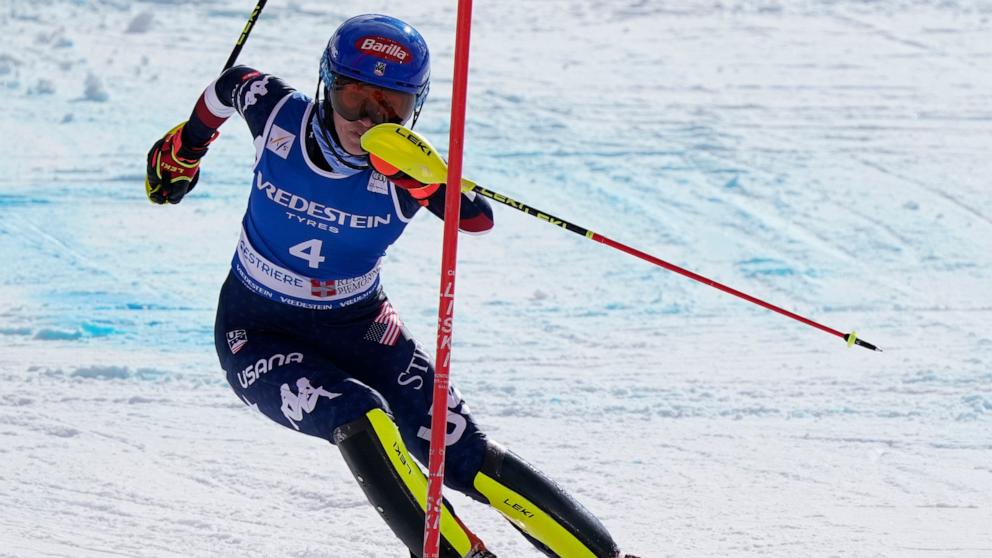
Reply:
x=304, y=330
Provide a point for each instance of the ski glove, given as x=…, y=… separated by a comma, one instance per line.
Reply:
x=173, y=168
x=417, y=190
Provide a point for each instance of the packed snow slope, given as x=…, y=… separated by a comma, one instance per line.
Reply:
x=830, y=157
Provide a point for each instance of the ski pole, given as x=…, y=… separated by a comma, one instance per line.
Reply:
x=249, y=25
x=851, y=338
x=414, y=155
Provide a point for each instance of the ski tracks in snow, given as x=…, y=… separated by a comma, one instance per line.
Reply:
x=831, y=158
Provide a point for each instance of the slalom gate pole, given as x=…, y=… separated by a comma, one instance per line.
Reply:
x=851, y=338
x=244, y=34
x=446, y=303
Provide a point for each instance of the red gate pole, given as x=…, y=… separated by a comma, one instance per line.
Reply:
x=446, y=305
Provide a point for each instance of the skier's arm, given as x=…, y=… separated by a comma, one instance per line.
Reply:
x=475, y=215
x=174, y=161
x=241, y=90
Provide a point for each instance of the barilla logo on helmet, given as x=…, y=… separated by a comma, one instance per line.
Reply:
x=383, y=48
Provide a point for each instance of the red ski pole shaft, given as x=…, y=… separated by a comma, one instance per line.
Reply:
x=851, y=338
x=715, y=284
x=446, y=305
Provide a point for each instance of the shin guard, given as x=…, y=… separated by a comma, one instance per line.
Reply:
x=554, y=522
x=395, y=485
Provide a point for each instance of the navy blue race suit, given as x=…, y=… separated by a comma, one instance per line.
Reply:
x=315, y=364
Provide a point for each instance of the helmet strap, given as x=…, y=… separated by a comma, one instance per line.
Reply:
x=416, y=114
x=421, y=97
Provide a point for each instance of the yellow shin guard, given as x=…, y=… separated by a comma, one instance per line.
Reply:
x=395, y=485
x=537, y=506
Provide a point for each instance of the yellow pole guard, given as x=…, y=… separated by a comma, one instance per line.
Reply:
x=534, y=521
x=414, y=479
x=409, y=152
x=852, y=338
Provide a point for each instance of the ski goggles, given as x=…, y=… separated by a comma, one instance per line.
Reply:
x=354, y=100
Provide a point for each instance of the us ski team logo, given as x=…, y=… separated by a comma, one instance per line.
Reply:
x=380, y=69
x=295, y=405
x=236, y=339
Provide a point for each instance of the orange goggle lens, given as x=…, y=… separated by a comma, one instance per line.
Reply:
x=354, y=100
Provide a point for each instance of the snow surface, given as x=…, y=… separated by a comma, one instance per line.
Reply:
x=831, y=157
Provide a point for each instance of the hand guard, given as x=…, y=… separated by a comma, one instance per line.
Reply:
x=418, y=190
x=173, y=168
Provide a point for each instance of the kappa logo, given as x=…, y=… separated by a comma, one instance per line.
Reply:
x=236, y=339
x=378, y=183
x=257, y=89
x=280, y=141
x=304, y=401
x=384, y=48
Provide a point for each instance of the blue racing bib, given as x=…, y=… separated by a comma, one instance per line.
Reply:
x=311, y=237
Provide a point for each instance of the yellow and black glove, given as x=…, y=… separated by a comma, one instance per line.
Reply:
x=173, y=168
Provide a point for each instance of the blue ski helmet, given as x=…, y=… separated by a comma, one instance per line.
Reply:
x=380, y=50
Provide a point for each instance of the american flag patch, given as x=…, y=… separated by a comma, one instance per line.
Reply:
x=385, y=329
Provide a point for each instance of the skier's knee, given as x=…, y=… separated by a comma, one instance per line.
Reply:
x=356, y=402
x=463, y=461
